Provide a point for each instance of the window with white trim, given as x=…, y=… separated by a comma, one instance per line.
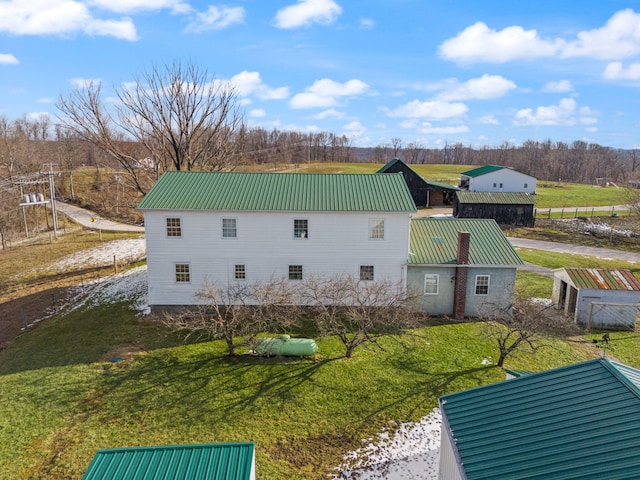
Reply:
x=183, y=273
x=366, y=273
x=295, y=272
x=229, y=228
x=240, y=272
x=174, y=227
x=482, y=284
x=300, y=228
x=431, y=284
x=376, y=229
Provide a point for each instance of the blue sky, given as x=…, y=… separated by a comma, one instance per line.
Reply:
x=425, y=71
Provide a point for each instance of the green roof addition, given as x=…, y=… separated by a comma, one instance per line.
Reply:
x=434, y=241
x=476, y=172
x=493, y=198
x=221, y=461
x=603, y=279
x=575, y=422
x=240, y=191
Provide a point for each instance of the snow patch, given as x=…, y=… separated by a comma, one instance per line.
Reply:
x=411, y=452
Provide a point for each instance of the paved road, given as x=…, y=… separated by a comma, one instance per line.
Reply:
x=89, y=219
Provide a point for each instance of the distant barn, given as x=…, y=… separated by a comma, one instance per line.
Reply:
x=515, y=209
x=423, y=192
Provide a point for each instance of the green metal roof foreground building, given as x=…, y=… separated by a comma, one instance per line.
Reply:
x=292, y=192
x=581, y=421
x=221, y=461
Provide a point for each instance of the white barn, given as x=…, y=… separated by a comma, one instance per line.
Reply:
x=249, y=227
x=495, y=178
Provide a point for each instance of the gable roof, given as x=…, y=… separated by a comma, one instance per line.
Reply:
x=603, y=279
x=234, y=191
x=575, y=422
x=434, y=241
x=221, y=461
x=476, y=172
x=392, y=163
x=495, y=198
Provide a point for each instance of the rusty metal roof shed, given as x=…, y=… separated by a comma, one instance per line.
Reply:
x=603, y=279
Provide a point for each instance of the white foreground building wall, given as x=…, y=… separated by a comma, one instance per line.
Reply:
x=265, y=245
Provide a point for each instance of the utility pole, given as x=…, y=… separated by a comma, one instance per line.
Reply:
x=52, y=194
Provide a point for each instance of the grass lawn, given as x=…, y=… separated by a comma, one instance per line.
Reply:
x=61, y=398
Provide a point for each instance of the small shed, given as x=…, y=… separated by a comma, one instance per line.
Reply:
x=497, y=178
x=424, y=192
x=218, y=461
x=574, y=422
x=511, y=208
x=595, y=297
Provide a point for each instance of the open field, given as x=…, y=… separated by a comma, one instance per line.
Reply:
x=98, y=374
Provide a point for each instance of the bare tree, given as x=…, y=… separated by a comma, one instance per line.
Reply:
x=184, y=118
x=237, y=312
x=523, y=326
x=358, y=312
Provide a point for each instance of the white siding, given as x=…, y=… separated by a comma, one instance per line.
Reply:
x=337, y=243
x=510, y=180
x=448, y=468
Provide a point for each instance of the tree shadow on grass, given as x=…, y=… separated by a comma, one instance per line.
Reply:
x=209, y=386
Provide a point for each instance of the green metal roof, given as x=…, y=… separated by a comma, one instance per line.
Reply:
x=434, y=241
x=603, y=279
x=221, y=461
x=501, y=198
x=476, y=172
x=444, y=186
x=239, y=191
x=576, y=422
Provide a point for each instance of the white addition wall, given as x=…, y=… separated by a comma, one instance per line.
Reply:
x=265, y=245
x=510, y=180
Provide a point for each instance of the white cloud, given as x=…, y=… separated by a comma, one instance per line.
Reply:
x=258, y=113
x=486, y=87
x=616, y=71
x=59, y=17
x=367, y=23
x=331, y=113
x=130, y=6
x=450, y=130
x=488, y=120
x=618, y=38
x=216, y=18
x=561, y=86
x=325, y=93
x=8, y=59
x=478, y=43
x=433, y=110
x=249, y=83
x=565, y=113
x=84, y=82
x=354, y=128
x=307, y=12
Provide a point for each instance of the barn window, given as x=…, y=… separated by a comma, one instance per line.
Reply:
x=376, y=229
x=295, y=272
x=526, y=185
x=183, y=273
x=240, y=272
x=229, y=228
x=366, y=272
x=482, y=284
x=431, y=284
x=495, y=184
x=300, y=228
x=174, y=227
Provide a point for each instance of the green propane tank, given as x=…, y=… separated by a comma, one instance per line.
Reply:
x=286, y=346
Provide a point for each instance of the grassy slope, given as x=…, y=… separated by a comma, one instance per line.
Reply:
x=61, y=399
